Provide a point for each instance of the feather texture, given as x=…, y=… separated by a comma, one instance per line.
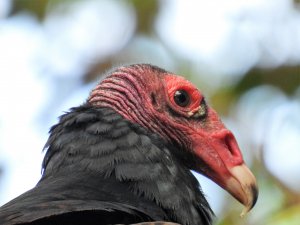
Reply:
x=101, y=167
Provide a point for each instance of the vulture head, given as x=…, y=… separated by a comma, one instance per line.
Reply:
x=124, y=157
x=173, y=108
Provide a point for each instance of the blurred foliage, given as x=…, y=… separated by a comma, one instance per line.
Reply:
x=287, y=78
x=146, y=12
x=37, y=8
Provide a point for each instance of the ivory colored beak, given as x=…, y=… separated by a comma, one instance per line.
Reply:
x=242, y=185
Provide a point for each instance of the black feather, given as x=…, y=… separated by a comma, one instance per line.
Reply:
x=102, y=169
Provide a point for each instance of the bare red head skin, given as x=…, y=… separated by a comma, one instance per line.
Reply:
x=175, y=109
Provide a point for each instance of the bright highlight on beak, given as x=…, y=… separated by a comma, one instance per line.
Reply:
x=242, y=185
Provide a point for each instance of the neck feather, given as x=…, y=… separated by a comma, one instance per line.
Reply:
x=99, y=140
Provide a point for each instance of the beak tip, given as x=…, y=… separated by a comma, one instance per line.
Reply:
x=254, y=193
x=243, y=187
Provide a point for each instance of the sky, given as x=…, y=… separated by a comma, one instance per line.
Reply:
x=44, y=64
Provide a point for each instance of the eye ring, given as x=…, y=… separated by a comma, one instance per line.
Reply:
x=182, y=98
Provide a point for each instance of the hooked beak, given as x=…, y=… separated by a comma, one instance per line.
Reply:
x=220, y=160
x=242, y=185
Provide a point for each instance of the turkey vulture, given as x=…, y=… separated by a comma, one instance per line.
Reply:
x=125, y=157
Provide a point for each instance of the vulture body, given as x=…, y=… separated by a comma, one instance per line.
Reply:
x=124, y=157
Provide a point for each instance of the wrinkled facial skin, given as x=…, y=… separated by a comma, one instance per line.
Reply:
x=174, y=108
x=218, y=154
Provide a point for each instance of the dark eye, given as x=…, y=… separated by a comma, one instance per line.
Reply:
x=181, y=98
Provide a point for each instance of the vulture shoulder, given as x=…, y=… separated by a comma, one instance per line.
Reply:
x=101, y=167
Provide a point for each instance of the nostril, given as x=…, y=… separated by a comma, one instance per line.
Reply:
x=231, y=144
x=227, y=141
x=227, y=145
